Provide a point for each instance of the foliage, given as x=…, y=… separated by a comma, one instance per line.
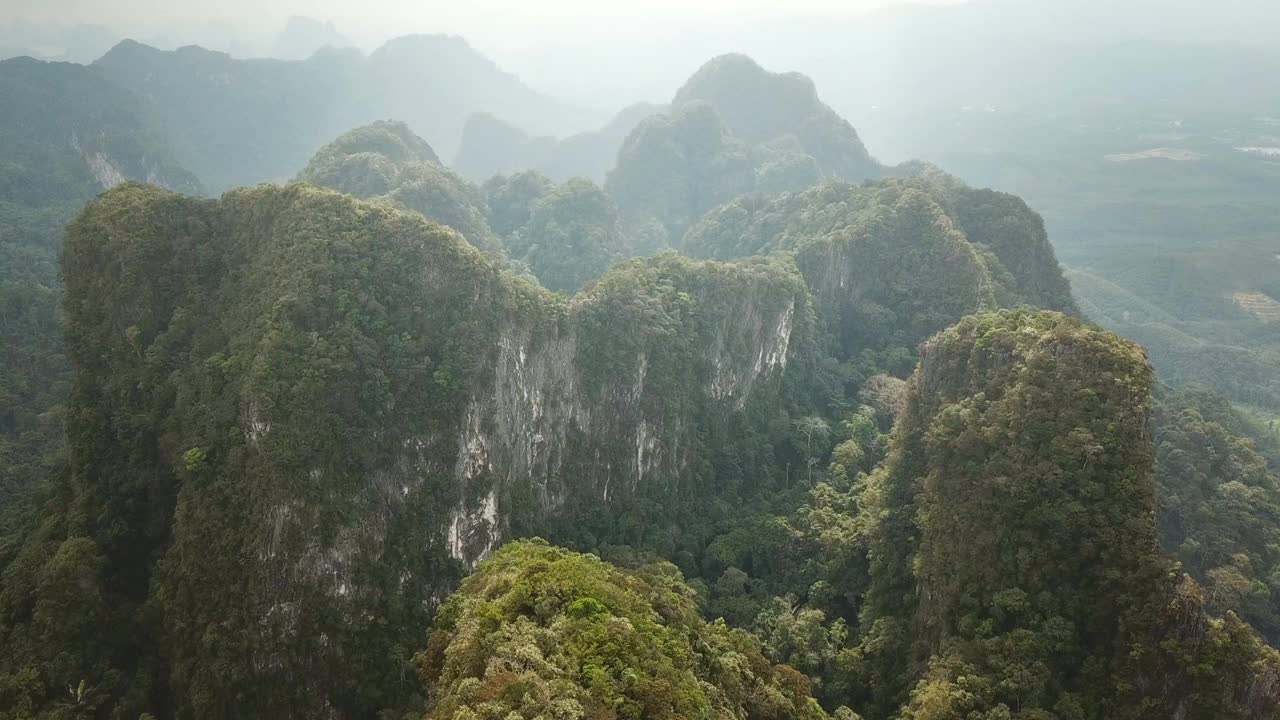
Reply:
x=337, y=407
x=1025, y=438
x=511, y=199
x=386, y=161
x=1219, y=506
x=673, y=168
x=571, y=237
x=890, y=262
x=364, y=162
x=538, y=631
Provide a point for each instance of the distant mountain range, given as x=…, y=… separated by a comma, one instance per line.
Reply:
x=237, y=122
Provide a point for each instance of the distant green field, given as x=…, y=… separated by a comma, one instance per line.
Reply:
x=1169, y=230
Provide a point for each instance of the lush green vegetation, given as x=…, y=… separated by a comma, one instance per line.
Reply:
x=511, y=199
x=1025, y=436
x=565, y=235
x=894, y=261
x=67, y=135
x=386, y=161
x=673, y=168
x=852, y=449
x=571, y=237
x=247, y=401
x=538, y=631
x=1220, y=505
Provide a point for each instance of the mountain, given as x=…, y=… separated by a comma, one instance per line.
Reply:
x=386, y=161
x=894, y=261
x=492, y=147
x=406, y=81
x=564, y=236
x=354, y=406
x=734, y=128
x=512, y=408
x=68, y=134
x=71, y=134
x=237, y=122
x=302, y=37
x=813, y=464
x=1012, y=546
x=364, y=161
x=763, y=107
x=1139, y=130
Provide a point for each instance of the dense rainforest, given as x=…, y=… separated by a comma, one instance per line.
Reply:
x=704, y=414
x=67, y=135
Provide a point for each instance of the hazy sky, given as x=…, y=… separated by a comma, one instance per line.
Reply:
x=603, y=54
x=496, y=22
x=475, y=11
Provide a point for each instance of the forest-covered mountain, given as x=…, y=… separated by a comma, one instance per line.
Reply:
x=815, y=437
x=993, y=584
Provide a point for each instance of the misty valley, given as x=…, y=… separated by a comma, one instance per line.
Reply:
x=378, y=382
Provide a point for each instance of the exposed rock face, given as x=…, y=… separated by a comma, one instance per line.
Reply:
x=892, y=261
x=386, y=161
x=356, y=406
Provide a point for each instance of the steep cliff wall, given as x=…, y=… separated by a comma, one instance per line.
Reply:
x=336, y=408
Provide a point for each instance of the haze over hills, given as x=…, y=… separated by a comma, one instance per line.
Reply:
x=744, y=424
x=1146, y=153
x=490, y=146
x=211, y=101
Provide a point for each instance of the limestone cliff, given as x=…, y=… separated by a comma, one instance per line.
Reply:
x=336, y=408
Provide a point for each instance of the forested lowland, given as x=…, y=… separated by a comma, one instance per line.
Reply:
x=735, y=423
